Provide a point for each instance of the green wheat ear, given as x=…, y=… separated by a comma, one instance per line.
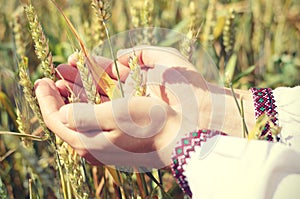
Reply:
x=229, y=33
x=40, y=42
x=27, y=87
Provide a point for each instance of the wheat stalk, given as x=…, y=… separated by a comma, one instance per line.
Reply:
x=241, y=110
x=74, y=183
x=32, y=101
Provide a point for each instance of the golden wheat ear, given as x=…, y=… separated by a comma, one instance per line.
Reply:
x=40, y=40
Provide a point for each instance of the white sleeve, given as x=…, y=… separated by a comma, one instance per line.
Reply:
x=287, y=101
x=231, y=167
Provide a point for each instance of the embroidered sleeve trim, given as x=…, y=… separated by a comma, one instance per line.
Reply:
x=182, y=151
x=264, y=103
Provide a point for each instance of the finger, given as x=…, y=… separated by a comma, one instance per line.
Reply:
x=69, y=73
x=109, y=66
x=84, y=117
x=50, y=103
x=72, y=75
x=72, y=59
x=70, y=90
x=64, y=87
x=48, y=96
x=105, y=63
x=54, y=114
x=134, y=116
x=150, y=56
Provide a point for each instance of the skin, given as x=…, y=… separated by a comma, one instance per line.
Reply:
x=144, y=128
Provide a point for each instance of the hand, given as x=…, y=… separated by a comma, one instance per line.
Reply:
x=135, y=131
x=171, y=78
x=105, y=133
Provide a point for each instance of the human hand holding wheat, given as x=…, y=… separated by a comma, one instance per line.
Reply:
x=133, y=131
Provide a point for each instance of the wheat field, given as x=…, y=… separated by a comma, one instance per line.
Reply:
x=251, y=43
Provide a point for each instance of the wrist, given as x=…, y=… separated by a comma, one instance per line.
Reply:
x=222, y=113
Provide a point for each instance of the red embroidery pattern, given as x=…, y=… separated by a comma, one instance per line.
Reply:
x=264, y=103
x=182, y=152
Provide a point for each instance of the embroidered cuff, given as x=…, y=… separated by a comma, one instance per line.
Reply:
x=264, y=103
x=181, y=154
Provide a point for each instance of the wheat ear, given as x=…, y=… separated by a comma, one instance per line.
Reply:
x=229, y=33
x=40, y=42
x=87, y=80
x=29, y=93
x=136, y=76
x=103, y=10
